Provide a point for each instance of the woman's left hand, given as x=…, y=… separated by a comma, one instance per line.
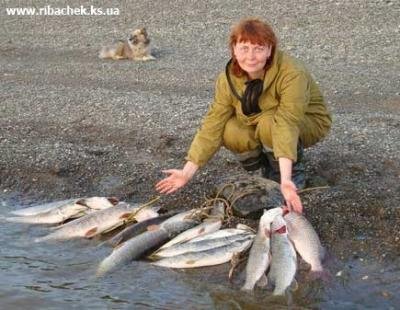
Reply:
x=289, y=192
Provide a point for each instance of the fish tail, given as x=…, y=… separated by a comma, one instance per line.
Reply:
x=18, y=219
x=106, y=266
x=18, y=212
x=289, y=297
x=102, y=270
x=154, y=257
x=48, y=237
x=248, y=287
x=323, y=275
x=278, y=292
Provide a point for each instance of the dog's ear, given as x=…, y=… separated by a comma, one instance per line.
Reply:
x=143, y=31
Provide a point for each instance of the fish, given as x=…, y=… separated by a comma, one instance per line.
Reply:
x=199, y=230
x=34, y=210
x=271, y=214
x=61, y=212
x=199, y=246
x=130, y=250
x=53, y=216
x=284, y=260
x=180, y=222
x=305, y=240
x=136, y=229
x=138, y=246
x=95, y=223
x=210, y=257
x=212, y=223
x=259, y=257
x=219, y=234
x=90, y=202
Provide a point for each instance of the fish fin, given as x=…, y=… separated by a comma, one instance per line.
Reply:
x=294, y=285
x=323, y=275
x=153, y=227
x=113, y=200
x=190, y=262
x=289, y=296
x=81, y=202
x=111, y=228
x=79, y=214
x=245, y=227
x=91, y=232
x=325, y=255
x=125, y=216
x=263, y=281
x=247, y=289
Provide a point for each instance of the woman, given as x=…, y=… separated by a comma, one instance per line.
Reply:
x=266, y=109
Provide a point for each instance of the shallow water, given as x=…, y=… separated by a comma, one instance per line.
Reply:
x=61, y=276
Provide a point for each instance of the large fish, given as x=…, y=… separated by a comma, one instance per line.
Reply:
x=199, y=230
x=220, y=233
x=136, y=229
x=98, y=222
x=137, y=246
x=210, y=224
x=259, y=257
x=209, y=257
x=59, y=212
x=284, y=260
x=305, y=240
x=42, y=207
x=201, y=245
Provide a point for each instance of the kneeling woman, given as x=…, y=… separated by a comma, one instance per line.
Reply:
x=266, y=109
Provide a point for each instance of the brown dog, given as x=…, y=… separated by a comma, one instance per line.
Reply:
x=135, y=47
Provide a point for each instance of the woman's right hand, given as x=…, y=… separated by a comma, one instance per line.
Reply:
x=175, y=180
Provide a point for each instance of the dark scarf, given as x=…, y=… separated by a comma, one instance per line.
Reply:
x=252, y=93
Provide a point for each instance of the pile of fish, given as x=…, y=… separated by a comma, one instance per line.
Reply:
x=279, y=236
x=187, y=239
x=88, y=217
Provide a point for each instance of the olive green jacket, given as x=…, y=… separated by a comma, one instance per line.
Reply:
x=290, y=94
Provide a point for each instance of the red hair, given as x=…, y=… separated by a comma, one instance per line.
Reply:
x=255, y=31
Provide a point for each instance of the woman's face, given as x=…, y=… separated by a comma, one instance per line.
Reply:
x=252, y=58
